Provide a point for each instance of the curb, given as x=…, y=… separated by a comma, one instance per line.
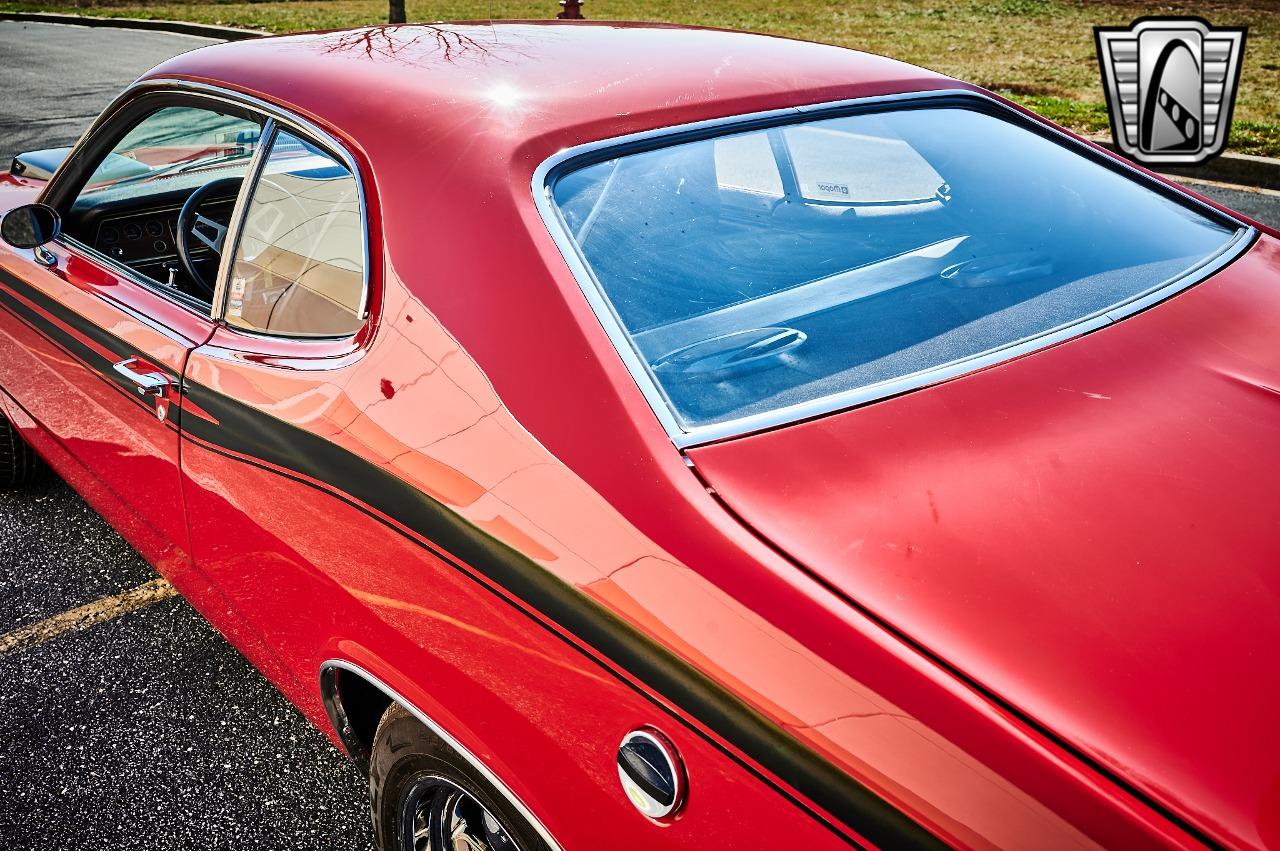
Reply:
x=1240, y=169
x=180, y=27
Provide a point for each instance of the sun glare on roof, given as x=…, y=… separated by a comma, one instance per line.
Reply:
x=504, y=95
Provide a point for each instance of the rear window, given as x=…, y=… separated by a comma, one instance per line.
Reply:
x=855, y=255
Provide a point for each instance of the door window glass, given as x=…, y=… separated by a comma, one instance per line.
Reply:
x=299, y=266
x=173, y=140
x=129, y=207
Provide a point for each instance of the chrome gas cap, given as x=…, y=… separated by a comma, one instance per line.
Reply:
x=651, y=773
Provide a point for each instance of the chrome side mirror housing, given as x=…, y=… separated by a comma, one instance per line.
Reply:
x=30, y=226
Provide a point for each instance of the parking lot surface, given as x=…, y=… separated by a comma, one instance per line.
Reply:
x=146, y=730
x=56, y=79
x=1260, y=204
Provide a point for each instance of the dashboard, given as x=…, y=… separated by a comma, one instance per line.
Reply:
x=147, y=239
x=136, y=224
x=139, y=237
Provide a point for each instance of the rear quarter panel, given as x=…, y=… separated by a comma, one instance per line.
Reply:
x=322, y=575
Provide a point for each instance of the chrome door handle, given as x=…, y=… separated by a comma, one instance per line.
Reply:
x=147, y=383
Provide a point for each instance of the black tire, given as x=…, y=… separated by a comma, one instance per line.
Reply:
x=407, y=760
x=19, y=463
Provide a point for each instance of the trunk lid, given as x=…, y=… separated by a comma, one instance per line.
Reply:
x=1090, y=532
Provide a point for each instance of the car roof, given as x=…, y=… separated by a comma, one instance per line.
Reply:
x=516, y=84
x=448, y=124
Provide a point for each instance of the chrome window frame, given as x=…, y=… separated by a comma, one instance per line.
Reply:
x=685, y=437
x=273, y=117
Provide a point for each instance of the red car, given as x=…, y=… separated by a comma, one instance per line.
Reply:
x=636, y=437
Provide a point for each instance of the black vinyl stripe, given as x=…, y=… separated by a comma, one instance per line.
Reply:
x=88, y=328
x=77, y=349
x=73, y=345
x=247, y=431
x=496, y=591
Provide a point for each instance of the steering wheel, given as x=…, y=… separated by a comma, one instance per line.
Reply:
x=209, y=233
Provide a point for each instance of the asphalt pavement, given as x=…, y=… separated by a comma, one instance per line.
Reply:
x=1262, y=205
x=56, y=79
x=146, y=730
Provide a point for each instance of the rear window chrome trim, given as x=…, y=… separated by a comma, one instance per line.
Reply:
x=687, y=437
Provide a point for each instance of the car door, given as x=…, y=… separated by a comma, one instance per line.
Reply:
x=96, y=328
x=292, y=327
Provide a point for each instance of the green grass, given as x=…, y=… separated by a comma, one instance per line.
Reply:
x=1038, y=52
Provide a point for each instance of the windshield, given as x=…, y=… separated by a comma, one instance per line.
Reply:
x=177, y=139
x=756, y=271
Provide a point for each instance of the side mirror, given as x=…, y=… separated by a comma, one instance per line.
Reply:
x=39, y=165
x=30, y=226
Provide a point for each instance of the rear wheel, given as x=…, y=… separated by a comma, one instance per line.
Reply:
x=427, y=798
x=19, y=463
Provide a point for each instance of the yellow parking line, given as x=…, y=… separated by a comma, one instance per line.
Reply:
x=100, y=610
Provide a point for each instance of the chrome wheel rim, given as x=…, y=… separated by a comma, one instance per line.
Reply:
x=439, y=815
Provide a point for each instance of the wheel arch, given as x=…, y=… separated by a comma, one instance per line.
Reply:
x=355, y=701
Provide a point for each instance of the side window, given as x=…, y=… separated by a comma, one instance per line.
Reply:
x=298, y=268
x=172, y=140
x=129, y=207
